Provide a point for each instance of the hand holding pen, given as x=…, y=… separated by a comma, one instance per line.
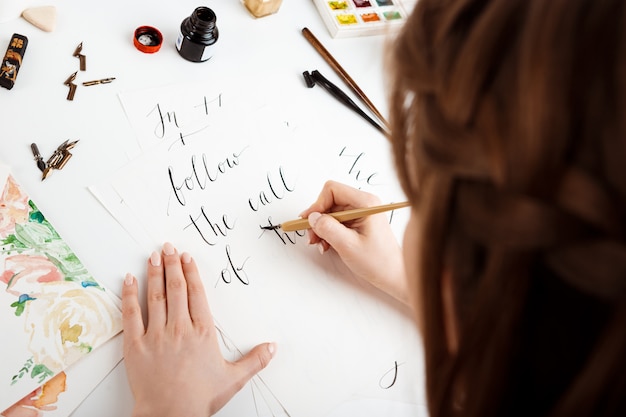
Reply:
x=367, y=246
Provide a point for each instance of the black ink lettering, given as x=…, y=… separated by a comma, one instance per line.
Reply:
x=206, y=106
x=263, y=199
x=393, y=371
x=201, y=182
x=176, y=188
x=205, y=103
x=276, y=191
x=169, y=117
x=232, y=270
x=210, y=230
x=182, y=136
x=359, y=175
x=200, y=173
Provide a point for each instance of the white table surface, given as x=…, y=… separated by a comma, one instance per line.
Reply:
x=36, y=110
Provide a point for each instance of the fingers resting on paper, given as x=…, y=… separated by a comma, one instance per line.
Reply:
x=175, y=365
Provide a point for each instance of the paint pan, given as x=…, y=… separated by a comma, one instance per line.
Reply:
x=348, y=18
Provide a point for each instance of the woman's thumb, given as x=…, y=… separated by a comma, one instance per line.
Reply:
x=256, y=360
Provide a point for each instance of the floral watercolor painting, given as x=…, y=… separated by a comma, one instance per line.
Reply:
x=40, y=400
x=52, y=311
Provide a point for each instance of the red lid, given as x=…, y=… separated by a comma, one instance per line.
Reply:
x=148, y=39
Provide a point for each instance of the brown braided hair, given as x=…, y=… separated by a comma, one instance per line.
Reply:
x=509, y=134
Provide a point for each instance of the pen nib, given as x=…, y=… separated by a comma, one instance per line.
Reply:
x=272, y=227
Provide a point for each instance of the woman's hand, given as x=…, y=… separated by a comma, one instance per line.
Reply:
x=367, y=246
x=175, y=366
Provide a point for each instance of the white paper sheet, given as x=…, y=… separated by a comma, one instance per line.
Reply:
x=207, y=180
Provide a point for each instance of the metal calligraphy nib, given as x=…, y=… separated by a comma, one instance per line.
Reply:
x=82, y=58
x=272, y=227
x=59, y=158
x=70, y=83
x=40, y=163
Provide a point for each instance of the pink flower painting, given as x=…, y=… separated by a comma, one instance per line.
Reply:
x=23, y=273
x=52, y=310
x=13, y=207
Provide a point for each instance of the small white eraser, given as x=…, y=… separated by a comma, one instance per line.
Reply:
x=43, y=17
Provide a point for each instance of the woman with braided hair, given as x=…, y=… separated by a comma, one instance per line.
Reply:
x=509, y=134
x=510, y=140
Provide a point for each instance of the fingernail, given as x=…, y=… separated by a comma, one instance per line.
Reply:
x=155, y=259
x=128, y=279
x=320, y=247
x=185, y=258
x=271, y=348
x=168, y=248
x=313, y=218
x=311, y=234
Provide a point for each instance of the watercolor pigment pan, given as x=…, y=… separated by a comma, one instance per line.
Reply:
x=346, y=18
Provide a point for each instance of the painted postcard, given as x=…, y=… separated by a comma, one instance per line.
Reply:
x=52, y=311
x=61, y=395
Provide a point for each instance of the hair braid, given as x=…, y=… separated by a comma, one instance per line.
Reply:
x=509, y=138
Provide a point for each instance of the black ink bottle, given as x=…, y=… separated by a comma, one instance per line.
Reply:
x=198, y=35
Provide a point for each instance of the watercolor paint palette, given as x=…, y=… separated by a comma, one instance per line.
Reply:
x=346, y=18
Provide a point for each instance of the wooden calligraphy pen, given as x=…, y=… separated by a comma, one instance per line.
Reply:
x=342, y=216
x=316, y=78
x=343, y=74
